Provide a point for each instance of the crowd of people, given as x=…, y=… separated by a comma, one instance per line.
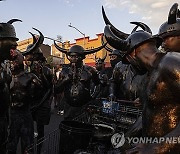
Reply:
x=145, y=69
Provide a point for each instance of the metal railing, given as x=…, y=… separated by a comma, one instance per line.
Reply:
x=120, y=118
x=46, y=145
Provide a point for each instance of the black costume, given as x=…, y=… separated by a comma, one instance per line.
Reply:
x=42, y=104
x=7, y=47
x=161, y=116
x=104, y=74
x=75, y=80
x=125, y=83
x=23, y=91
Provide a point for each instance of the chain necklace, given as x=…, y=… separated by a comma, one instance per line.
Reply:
x=75, y=83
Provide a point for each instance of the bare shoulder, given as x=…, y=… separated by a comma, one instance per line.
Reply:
x=170, y=63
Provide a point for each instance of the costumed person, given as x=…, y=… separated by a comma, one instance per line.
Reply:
x=23, y=90
x=35, y=60
x=161, y=94
x=59, y=98
x=170, y=30
x=8, y=45
x=104, y=73
x=125, y=81
x=75, y=80
x=115, y=57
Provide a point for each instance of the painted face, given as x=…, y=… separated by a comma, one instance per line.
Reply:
x=17, y=62
x=136, y=63
x=28, y=60
x=99, y=64
x=7, y=47
x=171, y=44
x=75, y=58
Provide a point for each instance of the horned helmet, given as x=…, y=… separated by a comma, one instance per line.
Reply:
x=77, y=51
x=172, y=26
x=33, y=51
x=7, y=30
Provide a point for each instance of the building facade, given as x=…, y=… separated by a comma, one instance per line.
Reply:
x=85, y=42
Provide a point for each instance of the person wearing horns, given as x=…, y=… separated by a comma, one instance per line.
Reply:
x=8, y=45
x=125, y=82
x=104, y=74
x=161, y=94
x=75, y=80
x=115, y=57
x=36, y=61
x=23, y=91
x=170, y=30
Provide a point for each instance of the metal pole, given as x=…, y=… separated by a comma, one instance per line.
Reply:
x=52, y=39
x=79, y=32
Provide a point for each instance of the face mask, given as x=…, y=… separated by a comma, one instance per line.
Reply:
x=114, y=62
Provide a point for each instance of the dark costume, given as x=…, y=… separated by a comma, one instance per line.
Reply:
x=170, y=31
x=42, y=104
x=7, y=47
x=104, y=74
x=75, y=80
x=125, y=83
x=161, y=116
x=23, y=91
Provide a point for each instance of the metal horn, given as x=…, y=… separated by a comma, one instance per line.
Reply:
x=113, y=40
x=178, y=14
x=134, y=29
x=86, y=52
x=13, y=20
x=36, y=45
x=173, y=12
x=143, y=26
x=106, y=47
x=117, y=32
x=34, y=37
x=60, y=49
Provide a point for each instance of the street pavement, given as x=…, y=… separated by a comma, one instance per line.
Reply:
x=53, y=124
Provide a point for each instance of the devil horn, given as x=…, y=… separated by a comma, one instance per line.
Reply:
x=36, y=44
x=143, y=26
x=13, y=20
x=134, y=29
x=34, y=37
x=95, y=50
x=178, y=14
x=173, y=14
x=106, y=47
x=117, y=32
x=60, y=49
x=113, y=40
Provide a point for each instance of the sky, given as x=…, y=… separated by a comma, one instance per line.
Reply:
x=52, y=17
